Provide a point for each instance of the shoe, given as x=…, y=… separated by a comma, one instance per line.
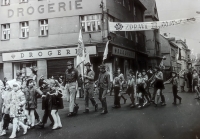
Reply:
x=163, y=104
x=70, y=114
x=51, y=124
x=180, y=100
x=139, y=106
x=40, y=125
x=96, y=107
x=125, y=101
x=25, y=130
x=104, y=112
x=60, y=126
x=12, y=136
x=55, y=127
x=115, y=106
x=174, y=103
x=86, y=111
x=196, y=97
x=38, y=121
x=3, y=133
x=132, y=106
x=32, y=127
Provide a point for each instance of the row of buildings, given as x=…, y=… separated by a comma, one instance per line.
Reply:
x=44, y=33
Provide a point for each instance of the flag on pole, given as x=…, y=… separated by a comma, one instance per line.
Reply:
x=105, y=51
x=80, y=54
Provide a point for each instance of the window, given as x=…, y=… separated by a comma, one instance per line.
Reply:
x=5, y=2
x=5, y=31
x=91, y=23
x=129, y=6
x=24, y=33
x=43, y=27
x=23, y=1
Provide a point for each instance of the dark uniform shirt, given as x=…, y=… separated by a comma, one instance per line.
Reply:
x=70, y=76
x=104, y=80
x=90, y=73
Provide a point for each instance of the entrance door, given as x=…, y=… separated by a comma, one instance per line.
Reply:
x=57, y=67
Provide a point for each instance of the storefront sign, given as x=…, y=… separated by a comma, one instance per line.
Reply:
x=123, y=52
x=40, y=54
x=140, y=26
x=35, y=10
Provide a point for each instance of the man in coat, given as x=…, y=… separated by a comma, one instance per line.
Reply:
x=89, y=88
x=104, y=87
x=71, y=85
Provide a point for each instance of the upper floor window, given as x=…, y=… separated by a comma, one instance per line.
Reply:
x=91, y=23
x=43, y=27
x=24, y=29
x=5, y=31
x=124, y=3
x=5, y=2
x=23, y=1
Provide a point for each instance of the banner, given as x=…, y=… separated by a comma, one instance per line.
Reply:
x=141, y=26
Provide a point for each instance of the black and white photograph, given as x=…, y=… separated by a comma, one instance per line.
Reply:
x=100, y=69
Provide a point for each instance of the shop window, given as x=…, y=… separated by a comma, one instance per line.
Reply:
x=44, y=27
x=5, y=2
x=23, y=1
x=91, y=23
x=24, y=29
x=24, y=67
x=5, y=31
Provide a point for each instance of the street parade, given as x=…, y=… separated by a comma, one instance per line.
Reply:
x=99, y=69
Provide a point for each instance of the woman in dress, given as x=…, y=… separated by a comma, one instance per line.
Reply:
x=17, y=105
x=195, y=81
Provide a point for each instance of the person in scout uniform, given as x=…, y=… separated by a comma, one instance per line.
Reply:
x=104, y=87
x=70, y=83
x=89, y=88
x=122, y=80
x=174, y=81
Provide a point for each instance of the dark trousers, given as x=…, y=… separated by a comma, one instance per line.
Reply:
x=47, y=113
x=36, y=115
x=116, y=97
x=175, y=93
x=6, y=121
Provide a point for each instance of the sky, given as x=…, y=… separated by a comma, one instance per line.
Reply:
x=176, y=9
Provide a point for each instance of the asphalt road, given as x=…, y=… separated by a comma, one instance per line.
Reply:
x=168, y=122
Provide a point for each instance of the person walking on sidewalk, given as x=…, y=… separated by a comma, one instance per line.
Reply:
x=122, y=80
x=117, y=87
x=89, y=88
x=104, y=87
x=70, y=83
x=174, y=81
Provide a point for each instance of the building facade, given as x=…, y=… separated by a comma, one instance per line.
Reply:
x=153, y=46
x=45, y=34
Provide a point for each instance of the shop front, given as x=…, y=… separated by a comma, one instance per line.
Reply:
x=50, y=62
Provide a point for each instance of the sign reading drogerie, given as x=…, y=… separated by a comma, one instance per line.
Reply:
x=123, y=52
x=40, y=54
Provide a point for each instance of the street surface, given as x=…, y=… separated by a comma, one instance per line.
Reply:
x=162, y=122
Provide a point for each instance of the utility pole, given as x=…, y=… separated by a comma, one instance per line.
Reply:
x=102, y=18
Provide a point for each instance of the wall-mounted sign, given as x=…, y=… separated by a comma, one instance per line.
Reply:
x=51, y=53
x=34, y=9
x=123, y=52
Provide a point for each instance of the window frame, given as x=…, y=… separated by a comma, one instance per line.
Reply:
x=7, y=30
x=43, y=27
x=87, y=23
x=25, y=28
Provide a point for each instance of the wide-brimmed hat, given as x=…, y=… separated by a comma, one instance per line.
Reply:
x=157, y=67
x=102, y=66
x=69, y=63
x=194, y=70
x=88, y=64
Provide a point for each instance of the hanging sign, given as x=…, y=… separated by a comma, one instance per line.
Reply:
x=141, y=26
